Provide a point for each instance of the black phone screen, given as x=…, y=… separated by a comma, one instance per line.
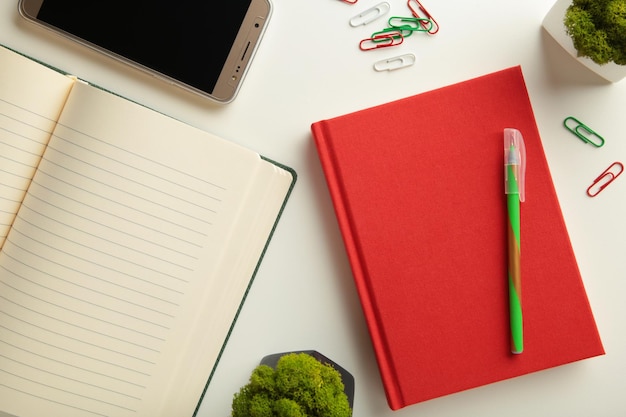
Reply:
x=183, y=39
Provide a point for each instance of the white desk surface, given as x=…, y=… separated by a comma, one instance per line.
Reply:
x=309, y=67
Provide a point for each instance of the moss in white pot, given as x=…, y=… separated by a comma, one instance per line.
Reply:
x=593, y=32
x=598, y=29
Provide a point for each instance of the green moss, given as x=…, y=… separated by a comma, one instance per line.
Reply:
x=300, y=386
x=598, y=29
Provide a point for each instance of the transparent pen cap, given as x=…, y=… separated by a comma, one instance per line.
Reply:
x=514, y=156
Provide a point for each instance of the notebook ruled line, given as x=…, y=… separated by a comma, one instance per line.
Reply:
x=73, y=366
x=120, y=231
x=78, y=354
x=69, y=392
x=109, y=296
x=89, y=219
x=152, y=310
x=99, y=265
x=181, y=186
x=53, y=401
x=21, y=149
x=102, y=183
x=47, y=330
x=187, y=228
x=99, y=293
x=83, y=328
x=29, y=111
x=14, y=175
x=78, y=313
x=118, y=244
x=136, y=155
x=67, y=378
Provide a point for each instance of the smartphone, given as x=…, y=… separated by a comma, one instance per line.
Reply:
x=200, y=45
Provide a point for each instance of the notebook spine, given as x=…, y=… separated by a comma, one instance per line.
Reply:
x=366, y=296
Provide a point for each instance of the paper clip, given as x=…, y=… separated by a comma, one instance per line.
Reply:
x=607, y=177
x=350, y=1
x=370, y=14
x=414, y=6
x=405, y=31
x=395, y=63
x=415, y=24
x=382, y=41
x=583, y=132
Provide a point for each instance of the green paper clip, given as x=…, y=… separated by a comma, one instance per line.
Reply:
x=396, y=32
x=583, y=132
x=414, y=24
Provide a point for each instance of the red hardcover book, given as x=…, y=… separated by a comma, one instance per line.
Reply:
x=418, y=190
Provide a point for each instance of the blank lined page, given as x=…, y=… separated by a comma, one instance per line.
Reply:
x=115, y=254
x=31, y=99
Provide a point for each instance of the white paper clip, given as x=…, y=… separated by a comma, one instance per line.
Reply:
x=395, y=63
x=370, y=14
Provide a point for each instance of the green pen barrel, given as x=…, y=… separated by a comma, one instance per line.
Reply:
x=514, y=265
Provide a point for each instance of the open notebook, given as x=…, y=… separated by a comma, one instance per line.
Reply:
x=128, y=241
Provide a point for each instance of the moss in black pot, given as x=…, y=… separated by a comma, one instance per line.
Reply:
x=298, y=386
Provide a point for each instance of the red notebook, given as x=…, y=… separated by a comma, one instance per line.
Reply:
x=418, y=190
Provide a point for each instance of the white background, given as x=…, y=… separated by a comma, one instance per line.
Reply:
x=309, y=67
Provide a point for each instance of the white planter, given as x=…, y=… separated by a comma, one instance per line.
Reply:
x=553, y=24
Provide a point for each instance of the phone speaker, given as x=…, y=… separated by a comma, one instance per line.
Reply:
x=245, y=51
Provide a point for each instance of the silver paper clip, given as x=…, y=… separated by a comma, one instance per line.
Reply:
x=395, y=63
x=370, y=14
x=604, y=179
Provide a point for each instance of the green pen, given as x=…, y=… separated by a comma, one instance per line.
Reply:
x=514, y=188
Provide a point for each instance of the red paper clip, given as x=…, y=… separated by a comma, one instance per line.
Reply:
x=350, y=1
x=607, y=177
x=414, y=6
x=382, y=40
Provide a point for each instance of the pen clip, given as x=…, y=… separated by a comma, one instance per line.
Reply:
x=515, y=154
